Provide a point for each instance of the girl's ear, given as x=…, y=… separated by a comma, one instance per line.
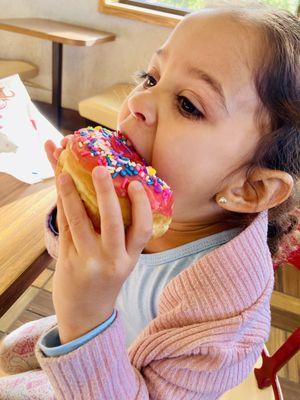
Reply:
x=272, y=187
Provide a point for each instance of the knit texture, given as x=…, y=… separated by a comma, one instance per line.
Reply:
x=17, y=348
x=213, y=320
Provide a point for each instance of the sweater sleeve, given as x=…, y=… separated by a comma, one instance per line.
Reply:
x=50, y=342
x=51, y=233
x=212, y=359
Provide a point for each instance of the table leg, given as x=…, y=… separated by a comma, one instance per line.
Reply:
x=57, y=54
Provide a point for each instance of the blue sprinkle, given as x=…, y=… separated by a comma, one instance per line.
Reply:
x=115, y=174
x=135, y=172
x=123, y=172
x=129, y=172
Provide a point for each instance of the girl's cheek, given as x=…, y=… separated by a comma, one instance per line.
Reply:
x=164, y=165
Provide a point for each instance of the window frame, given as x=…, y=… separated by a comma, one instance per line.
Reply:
x=150, y=14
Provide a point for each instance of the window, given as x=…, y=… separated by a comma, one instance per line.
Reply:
x=184, y=6
x=170, y=12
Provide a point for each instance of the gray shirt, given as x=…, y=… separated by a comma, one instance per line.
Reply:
x=138, y=299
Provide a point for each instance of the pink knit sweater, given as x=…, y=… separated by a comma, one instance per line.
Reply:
x=213, y=319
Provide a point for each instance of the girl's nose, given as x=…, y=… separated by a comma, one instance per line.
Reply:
x=139, y=115
x=142, y=106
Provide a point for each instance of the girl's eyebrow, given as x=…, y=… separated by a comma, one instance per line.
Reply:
x=197, y=73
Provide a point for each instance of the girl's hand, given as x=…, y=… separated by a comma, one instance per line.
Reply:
x=53, y=152
x=92, y=267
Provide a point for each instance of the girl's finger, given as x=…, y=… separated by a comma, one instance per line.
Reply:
x=57, y=153
x=50, y=148
x=64, y=141
x=112, y=227
x=65, y=237
x=77, y=218
x=139, y=233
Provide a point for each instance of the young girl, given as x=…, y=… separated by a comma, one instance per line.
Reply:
x=184, y=316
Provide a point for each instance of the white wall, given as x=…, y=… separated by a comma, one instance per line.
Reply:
x=86, y=70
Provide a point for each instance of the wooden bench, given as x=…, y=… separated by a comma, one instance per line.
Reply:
x=104, y=107
x=24, y=69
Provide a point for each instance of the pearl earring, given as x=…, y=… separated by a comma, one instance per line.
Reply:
x=222, y=200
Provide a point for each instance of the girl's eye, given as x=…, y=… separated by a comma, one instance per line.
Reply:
x=188, y=108
x=183, y=104
x=144, y=75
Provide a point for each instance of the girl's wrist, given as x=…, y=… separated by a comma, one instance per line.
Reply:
x=72, y=331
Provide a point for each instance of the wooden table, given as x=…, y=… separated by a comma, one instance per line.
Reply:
x=59, y=34
x=23, y=255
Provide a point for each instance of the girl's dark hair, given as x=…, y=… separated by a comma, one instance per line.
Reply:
x=277, y=81
x=278, y=86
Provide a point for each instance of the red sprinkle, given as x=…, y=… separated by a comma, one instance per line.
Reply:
x=125, y=181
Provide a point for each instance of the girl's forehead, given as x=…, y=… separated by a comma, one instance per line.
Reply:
x=217, y=46
x=212, y=38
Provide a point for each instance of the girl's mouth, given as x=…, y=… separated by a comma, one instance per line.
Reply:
x=136, y=148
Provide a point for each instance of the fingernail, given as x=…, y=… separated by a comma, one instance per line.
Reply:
x=100, y=170
x=137, y=185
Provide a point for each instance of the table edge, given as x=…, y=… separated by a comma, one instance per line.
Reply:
x=57, y=39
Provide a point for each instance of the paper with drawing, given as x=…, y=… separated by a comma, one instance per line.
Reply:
x=23, y=132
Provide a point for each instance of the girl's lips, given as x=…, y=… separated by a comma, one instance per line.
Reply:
x=140, y=153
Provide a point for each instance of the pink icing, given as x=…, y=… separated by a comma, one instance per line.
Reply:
x=100, y=146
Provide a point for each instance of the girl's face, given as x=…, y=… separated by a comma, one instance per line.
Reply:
x=193, y=117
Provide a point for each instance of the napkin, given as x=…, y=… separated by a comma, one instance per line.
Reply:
x=23, y=132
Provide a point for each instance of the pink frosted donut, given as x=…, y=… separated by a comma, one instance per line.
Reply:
x=89, y=147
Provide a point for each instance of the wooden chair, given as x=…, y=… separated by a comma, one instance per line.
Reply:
x=24, y=69
x=104, y=107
